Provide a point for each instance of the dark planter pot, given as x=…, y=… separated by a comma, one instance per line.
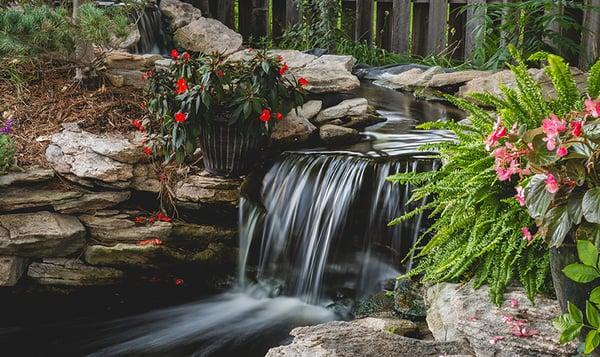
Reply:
x=228, y=151
x=567, y=289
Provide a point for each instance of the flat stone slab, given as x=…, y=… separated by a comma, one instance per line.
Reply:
x=356, y=107
x=40, y=234
x=11, y=269
x=126, y=60
x=205, y=189
x=29, y=176
x=72, y=272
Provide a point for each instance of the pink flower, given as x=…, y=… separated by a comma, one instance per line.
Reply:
x=528, y=237
x=497, y=133
x=520, y=196
x=576, y=126
x=495, y=339
x=551, y=183
x=472, y=318
x=514, y=303
x=550, y=143
x=592, y=108
x=561, y=151
x=522, y=331
x=553, y=126
x=507, y=319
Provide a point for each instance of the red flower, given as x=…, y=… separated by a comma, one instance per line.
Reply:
x=302, y=82
x=182, y=86
x=163, y=218
x=250, y=49
x=185, y=56
x=147, y=151
x=148, y=74
x=278, y=116
x=220, y=73
x=180, y=117
x=138, y=125
x=151, y=220
x=140, y=220
x=576, y=126
x=283, y=69
x=179, y=282
x=154, y=241
x=174, y=54
x=265, y=115
x=279, y=58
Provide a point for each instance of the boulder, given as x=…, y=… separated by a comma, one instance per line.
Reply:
x=329, y=74
x=338, y=135
x=356, y=107
x=375, y=73
x=517, y=328
x=72, y=272
x=360, y=339
x=208, y=190
x=179, y=13
x=28, y=176
x=296, y=127
x=389, y=324
x=121, y=228
x=206, y=36
x=145, y=178
x=410, y=79
x=128, y=42
x=455, y=78
x=40, y=234
x=130, y=61
x=92, y=201
x=91, y=159
x=126, y=78
x=11, y=270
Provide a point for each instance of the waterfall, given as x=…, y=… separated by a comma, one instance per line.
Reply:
x=152, y=36
x=325, y=217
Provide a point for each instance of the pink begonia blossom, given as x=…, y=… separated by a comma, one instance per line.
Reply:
x=592, y=107
x=497, y=133
x=551, y=183
x=576, y=126
x=507, y=319
x=552, y=127
x=522, y=331
x=562, y=151
x=520, y=196
x=495, y=339
x=507, y=162
x=514, y=303
x=526, y=235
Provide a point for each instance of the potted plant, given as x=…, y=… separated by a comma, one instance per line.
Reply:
x=227, y=108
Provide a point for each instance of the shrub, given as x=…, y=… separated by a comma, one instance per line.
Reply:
x=7, y=147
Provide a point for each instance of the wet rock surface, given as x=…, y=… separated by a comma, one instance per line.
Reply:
x=11, y=270
x=72, y=272
x=296, y=128
x=338, y=135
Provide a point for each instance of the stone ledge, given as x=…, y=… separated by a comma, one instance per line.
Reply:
x=72, y=272
x=11, y=269
x=28, y=176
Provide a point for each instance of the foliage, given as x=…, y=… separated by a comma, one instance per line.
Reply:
x=7, y=147
x=317, y=28
x=572, y=323
x=478, y=229
x=33, y=30
x=197, y=92
x=530, y=26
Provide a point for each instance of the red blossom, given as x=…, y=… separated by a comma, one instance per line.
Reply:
x=179, y=282
x=278, y=116
x=302, y=82
x=220, y=73
x=182, y=86
x=147, y=151
x=283, y=69
x=138, y=125
x=154, y=241
x=139, y=220
x=163, y=218
x=185, y=56
x=265, y=116
x=562, y=151
x=147, y=75
x=250, y=49
x=279, y=58
x=180, y=117
x=576, y=126
x=174, y=54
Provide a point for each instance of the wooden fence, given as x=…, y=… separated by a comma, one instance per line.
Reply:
x=416, y=27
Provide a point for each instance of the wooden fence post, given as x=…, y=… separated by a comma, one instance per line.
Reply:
x=364, y=20
x=590, y=37
x=437, y=26
x=383, y=34
x=475, y=17
x=419, y=30
x=292, y=12
x=401, y=26
x=226, y=14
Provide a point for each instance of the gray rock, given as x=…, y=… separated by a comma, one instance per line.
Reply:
x=163, y=64
x=11, y=270
x=28, y=176
x=329, y=74
x=375, y=73
x=40, y=234
x=209, y=190
x=92, y=201
x=359, y=339
x=121, y=228
x=72, y=272
x=455, y=78
x=179, y=13
x=413, y=78
x=126, y=78
x=457, y=312
x=145, y=178
x=293, y=58
x=356, y=107
x=130, y=61
x=208, y=35
x=296, y=127
x=389, y=324
x=338, y=135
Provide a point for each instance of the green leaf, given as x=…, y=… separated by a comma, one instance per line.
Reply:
x=595, y=295
x=540, y=155
x=537, y=199
x=571, y=333
x=563, y=322
x=581, y=273
x=575, y=209
x=592, y=341
x=558, y=225
x=592, y=315
x=591, y=205
x=588, y=254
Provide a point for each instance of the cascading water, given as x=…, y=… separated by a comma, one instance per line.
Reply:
x=153, y=38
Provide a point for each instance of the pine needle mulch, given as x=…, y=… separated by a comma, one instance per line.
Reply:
x=48, y=97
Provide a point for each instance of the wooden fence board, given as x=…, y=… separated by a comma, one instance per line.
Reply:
x=383, y=36
x=590, y=39
x=364, y=20
x=474, y=19
x=401, y=26
x=437, y=26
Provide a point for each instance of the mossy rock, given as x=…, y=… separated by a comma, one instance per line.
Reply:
x=408, y=300
x=375, y=304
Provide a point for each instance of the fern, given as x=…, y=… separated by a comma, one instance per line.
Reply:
x=476, y=234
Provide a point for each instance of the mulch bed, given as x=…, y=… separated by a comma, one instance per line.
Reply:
x=51, y=98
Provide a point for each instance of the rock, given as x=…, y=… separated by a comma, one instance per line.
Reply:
x=408, y=300
x=93, y=159
x=121, y=228
x=329, y=74
x=179, y=13
x=128, y=42
x=338, y=135
x=130, y=61
x=40, y=234
x=392, y=325
x=72, y=272
x=126, y=78
x=356, y=107
x=61, y=199
x=163, y=64
x=206, y=36
x=145, y=178
x=11, y=270
x=457, y=312
x=28, y=176
x=491, y=84
x=208, y=190
x=200, y=235
x=410, y=79
x=359, y=339
x=455, y=78
x=375, y=73
x=296, y=127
